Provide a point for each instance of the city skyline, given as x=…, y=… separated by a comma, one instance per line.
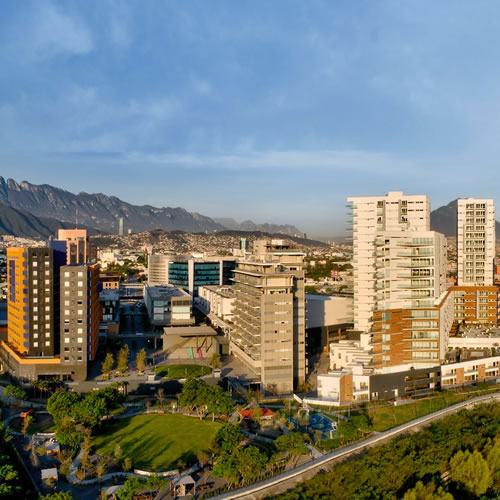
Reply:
x=232, y=111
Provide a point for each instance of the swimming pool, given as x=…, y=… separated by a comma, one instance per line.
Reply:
x=317, y=422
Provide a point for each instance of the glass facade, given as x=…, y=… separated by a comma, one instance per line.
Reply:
x=178, y=275
x=205, y=273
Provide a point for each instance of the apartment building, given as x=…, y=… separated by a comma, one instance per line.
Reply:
x=269, y=316
x=372, y=217
x=78, y=248
x=81, y=314
x=476, y=241
x=31, y=306
x=476, y=304
x=53, y=315
x=158, y=269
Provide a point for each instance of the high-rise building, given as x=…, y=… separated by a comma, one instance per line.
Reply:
x=53, y=315
x=120, y=226
x=78, y=249
x=31, y=305
x=475, y=241
x=269, y=316
x=80, y=315
x=372, y=216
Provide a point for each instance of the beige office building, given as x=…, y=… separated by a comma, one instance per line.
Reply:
x=269, y=315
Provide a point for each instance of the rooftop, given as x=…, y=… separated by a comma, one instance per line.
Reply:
x=160, y=292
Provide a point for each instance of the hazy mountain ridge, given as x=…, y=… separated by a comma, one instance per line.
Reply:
x=23, y=224
x=248, y=225
x=103, y=212
x=444, y=220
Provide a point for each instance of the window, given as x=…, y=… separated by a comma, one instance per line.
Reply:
x=66, y=302
x=66, y=340
x=80, y=340
x=66, y=274
x=47, y=343
x=35, y=344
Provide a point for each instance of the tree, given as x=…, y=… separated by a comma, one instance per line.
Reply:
x=101, y=467
x=107, y=364
x=16, y=392
x=68, y=434
x=60, y=405
x=293, y=443
x=218, y=402
x=58, y=495
x=127, y=464
x=140, y=361
x=470, y=470
x=493, y=460
x=227, y=438
x=117, y=453
x=161, y=397
x=90, y=410
x=8, y=479
x=27, y=421
x=215, y=361
x=122, y=365
x=427, y=492
x=227, y=466
x=251, y=463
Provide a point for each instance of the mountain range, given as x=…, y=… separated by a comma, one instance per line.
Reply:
x=21, y=223
x=103, y=212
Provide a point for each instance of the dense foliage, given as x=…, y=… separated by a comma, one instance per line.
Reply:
x=457, y=457
x=73, y=414
x=10, y=479
x=205, y=399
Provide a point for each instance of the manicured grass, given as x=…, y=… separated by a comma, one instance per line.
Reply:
x=182, y=371
x=157, y=442
x=385, y=417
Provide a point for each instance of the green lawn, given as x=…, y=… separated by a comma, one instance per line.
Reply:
x=157, y=442
x=182, y=371
x=385, y=417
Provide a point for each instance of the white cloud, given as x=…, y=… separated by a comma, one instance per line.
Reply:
x=56, y=33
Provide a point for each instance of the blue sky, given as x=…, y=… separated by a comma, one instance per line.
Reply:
x=270, y=111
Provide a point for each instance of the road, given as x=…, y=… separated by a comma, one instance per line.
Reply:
x=289, y=479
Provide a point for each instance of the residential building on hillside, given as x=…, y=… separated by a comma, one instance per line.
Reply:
x=476, y=241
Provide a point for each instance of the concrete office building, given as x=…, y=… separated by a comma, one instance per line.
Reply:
x=168, y=306
x=373, y=216
x=189, y=272
x=217, y=300
x=476, y=241
x=269, y=316
x=158, y=269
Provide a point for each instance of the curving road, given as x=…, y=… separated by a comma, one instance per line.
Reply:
x=287, y=479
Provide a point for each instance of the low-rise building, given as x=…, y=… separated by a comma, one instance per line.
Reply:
x=218, y=300
x=168, y=306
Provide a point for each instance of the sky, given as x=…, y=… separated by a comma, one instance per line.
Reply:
x=270, y=111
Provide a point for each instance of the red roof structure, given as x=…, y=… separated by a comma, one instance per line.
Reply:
x=264, y=412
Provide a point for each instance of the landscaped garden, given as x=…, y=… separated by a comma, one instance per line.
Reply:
x=157, y=442
x=182, y=371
